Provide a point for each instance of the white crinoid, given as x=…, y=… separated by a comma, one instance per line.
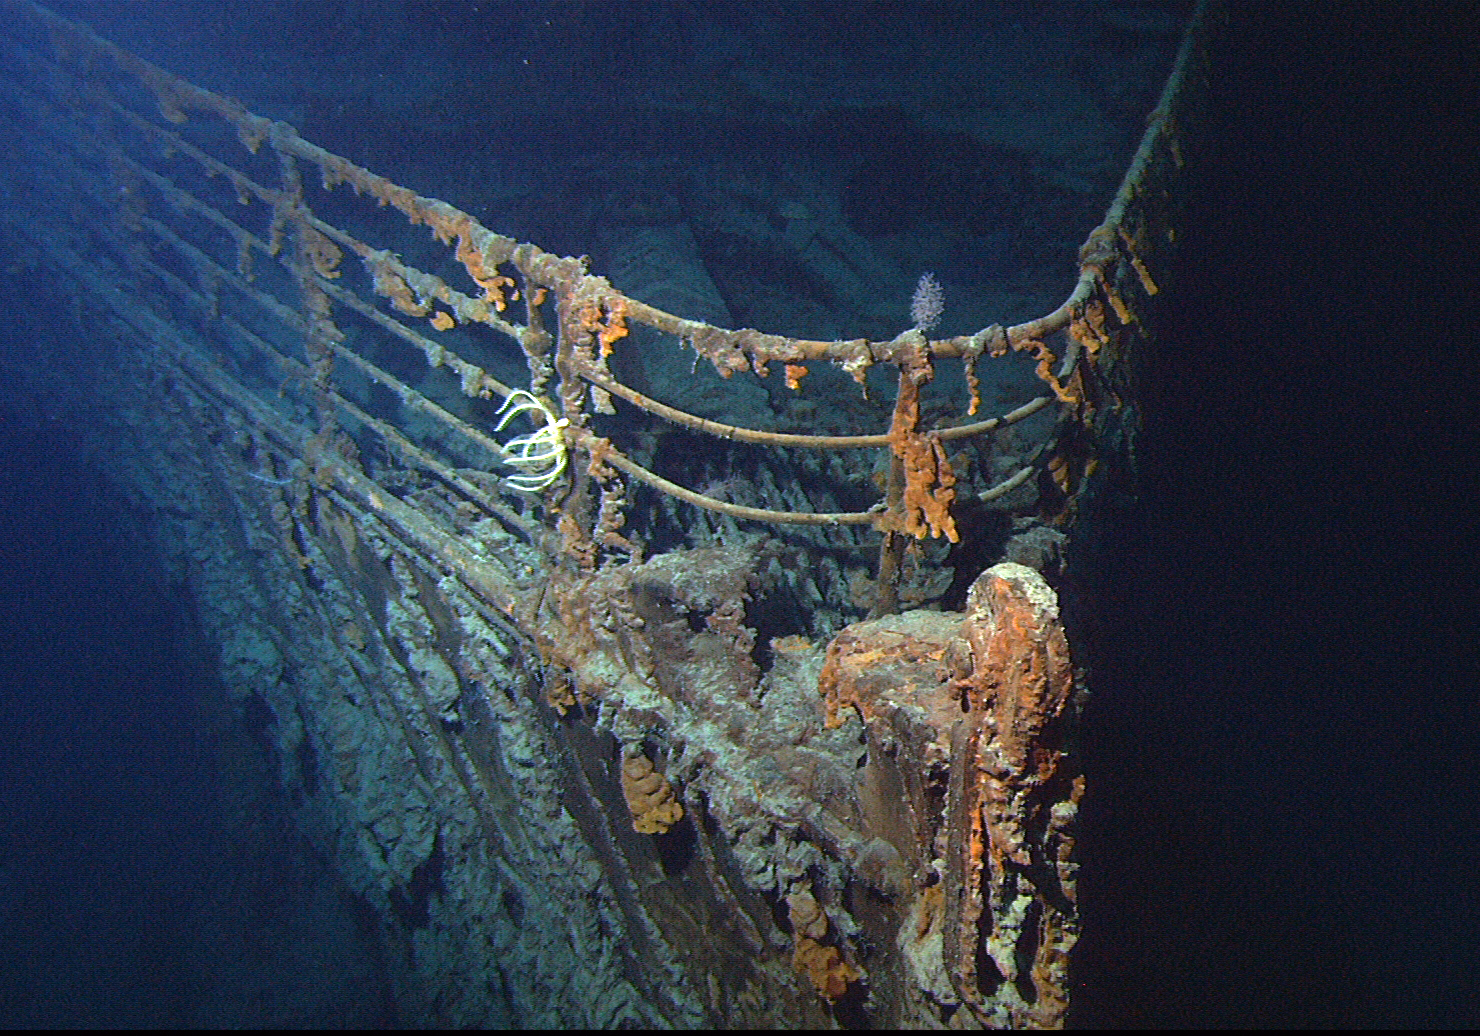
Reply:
x=540, y=455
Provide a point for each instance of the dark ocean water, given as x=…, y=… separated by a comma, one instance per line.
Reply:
x=148, y=877
x=1281, y=826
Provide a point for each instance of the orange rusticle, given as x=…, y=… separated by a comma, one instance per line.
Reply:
x=392, y=285
x=1087, y=326
x=806, y=916
x=321, y=252
x=929, y=489
x=443, y=321
x=929, y=481
x=649, y=796
x=1135, y=246
x=560, y=694
x=615, y=326
x=1044, y=370
x=795, y=372
x=823, y=965
x=486, y=276
x=1123, y=313
x=493, y=291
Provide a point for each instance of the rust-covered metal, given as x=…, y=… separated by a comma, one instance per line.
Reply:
x=971, y=778
x=540, y=733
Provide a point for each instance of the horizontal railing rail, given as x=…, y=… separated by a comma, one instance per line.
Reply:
x=566, y=321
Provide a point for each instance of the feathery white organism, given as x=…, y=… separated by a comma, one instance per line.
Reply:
x=540, y=456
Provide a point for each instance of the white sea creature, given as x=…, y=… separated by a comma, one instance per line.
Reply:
x=540, y=456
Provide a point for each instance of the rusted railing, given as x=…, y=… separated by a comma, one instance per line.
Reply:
x=448, y=634
x=566, y=321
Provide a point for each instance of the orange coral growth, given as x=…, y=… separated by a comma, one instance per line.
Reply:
x=443, y=321
x=649, y=796
x=502, y=282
